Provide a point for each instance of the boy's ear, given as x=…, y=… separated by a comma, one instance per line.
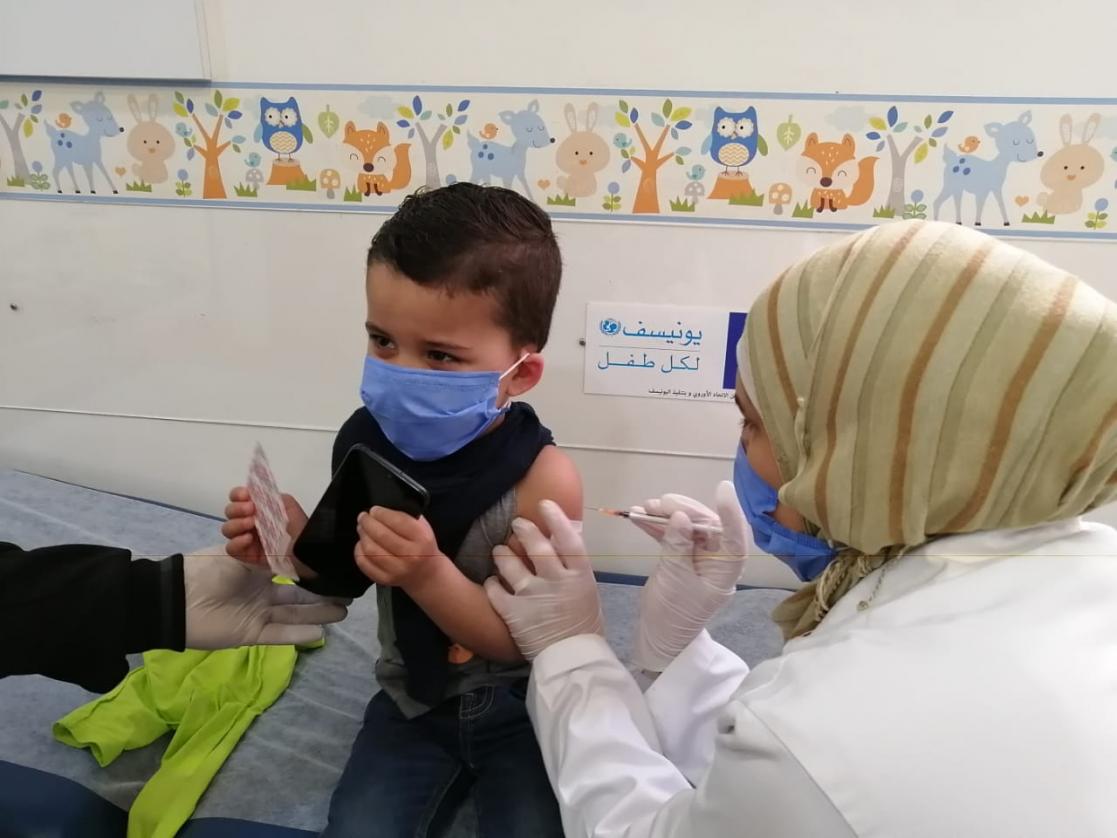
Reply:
x=525, y=376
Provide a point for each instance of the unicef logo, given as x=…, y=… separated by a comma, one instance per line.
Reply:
x=610, y=327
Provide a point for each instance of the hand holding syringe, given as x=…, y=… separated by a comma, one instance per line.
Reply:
x=654, y=516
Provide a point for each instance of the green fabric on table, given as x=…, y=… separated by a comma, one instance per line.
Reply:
x=208, y=698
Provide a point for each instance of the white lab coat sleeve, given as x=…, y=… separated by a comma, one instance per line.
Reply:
x=595, y=734
x=688, y=698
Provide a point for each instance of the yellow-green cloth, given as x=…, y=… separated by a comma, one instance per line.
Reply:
x=208, y=698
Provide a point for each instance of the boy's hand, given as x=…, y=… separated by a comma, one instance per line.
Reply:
x=395, y=549
x=240, y=529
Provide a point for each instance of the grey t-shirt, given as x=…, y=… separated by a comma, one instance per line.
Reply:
x=475, y=560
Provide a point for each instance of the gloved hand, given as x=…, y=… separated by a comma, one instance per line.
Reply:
x=666, y=506
x=231, y=604
x=559, y=599
x=696, y=574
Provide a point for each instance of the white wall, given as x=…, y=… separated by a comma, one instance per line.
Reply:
x=232, y=326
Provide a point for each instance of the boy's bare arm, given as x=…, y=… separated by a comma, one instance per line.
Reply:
x=397, y=550
x=461, y=609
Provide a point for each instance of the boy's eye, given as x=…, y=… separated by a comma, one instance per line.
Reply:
x=380, y=341
x=441, y=357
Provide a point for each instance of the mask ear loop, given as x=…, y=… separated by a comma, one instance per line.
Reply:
x=508, y=372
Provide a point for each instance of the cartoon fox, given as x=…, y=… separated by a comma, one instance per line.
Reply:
x=839, y=181
x=380, y=167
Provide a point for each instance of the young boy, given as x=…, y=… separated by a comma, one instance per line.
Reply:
x=461, y=285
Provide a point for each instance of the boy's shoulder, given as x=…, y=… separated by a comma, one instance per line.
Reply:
x=553, y=476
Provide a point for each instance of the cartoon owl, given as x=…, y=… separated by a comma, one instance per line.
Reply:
x=282, y=126
x=733, y=143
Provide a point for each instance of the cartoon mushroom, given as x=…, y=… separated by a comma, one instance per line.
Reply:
x=254, y=177
x=694, y=190
x=330, y=180
x=779, y=196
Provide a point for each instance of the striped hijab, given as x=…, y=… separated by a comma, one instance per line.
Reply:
x=920, y=379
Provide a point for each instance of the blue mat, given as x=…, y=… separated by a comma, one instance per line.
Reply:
x=301, y=742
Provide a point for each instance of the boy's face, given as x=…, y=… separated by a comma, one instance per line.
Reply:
x=413, y=326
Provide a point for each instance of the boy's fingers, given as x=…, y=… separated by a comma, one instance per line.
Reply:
x=373, y=550
x=392, y=543
x=240, y=546
x=238, y=493
x=368, y=568
x=399, y=522
x=238, y=526
x=389, y=542
x=240, y=509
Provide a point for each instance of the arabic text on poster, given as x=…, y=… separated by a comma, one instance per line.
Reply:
x=658, y=351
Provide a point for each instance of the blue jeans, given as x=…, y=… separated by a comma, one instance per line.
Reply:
x=407, y=777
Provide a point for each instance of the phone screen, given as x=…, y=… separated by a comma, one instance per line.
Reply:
x=327, y=542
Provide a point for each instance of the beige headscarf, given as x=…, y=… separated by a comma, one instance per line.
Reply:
x=921, y=379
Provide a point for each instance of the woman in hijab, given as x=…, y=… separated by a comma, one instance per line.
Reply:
x=927, y=414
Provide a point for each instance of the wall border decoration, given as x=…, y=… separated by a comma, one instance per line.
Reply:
x=832, y=162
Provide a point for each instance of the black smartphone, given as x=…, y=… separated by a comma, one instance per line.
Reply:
x=363, y=480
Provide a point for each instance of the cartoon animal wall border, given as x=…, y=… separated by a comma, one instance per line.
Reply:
x=1045, y=168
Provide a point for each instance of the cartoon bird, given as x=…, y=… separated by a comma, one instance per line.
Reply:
x=282, y=126
x=489, y=132
x=734, y=139
x=969, y=145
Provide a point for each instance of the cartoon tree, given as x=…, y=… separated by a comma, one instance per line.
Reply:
x=27, y=110
x=451, y=120
x=329, y=122
x=670, y=120
x=224, y=112
x=926, y=136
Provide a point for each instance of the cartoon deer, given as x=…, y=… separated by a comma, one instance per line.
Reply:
x=1016, y=143
x=509, y=162
x=70, y=147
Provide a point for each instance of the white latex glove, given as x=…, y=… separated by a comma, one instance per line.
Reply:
x=668, y=505
x=231, y=604
x=559, y=599
x=696, y=575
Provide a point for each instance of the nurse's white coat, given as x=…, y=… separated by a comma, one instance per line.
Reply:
x=975, y=696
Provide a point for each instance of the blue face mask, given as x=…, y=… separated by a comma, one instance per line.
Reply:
x=430, y=414
x=806, y=555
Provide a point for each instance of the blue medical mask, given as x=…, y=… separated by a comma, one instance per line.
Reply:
x=430, y=414
x=806, y=555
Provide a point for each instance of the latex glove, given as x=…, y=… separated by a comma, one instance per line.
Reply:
x=229, y=604
x=696, y=576
x=557, y=601
x=668, y=505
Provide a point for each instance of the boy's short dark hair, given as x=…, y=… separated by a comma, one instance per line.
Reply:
x=481, y=240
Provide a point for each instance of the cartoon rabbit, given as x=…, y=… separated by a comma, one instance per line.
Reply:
x=581, y=155
x=1071, y=169
x=149, y=142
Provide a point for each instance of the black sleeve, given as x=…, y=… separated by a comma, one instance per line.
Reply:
x=73, y=612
